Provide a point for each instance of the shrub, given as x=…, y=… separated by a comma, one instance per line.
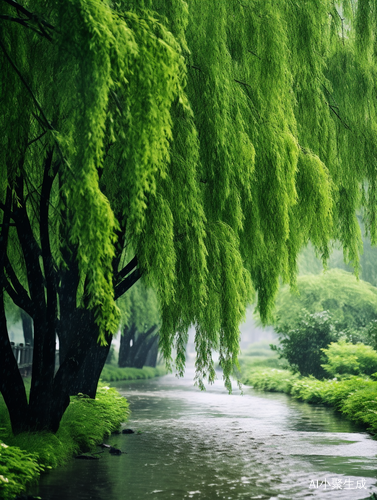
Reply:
x=302, y=346
x=272, y=380
x=355, y=397
x=361, y=406
x=346, y=358
x=17, y=470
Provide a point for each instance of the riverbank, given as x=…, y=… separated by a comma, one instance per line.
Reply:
x=111, y=373
x=84, y=424
x=221, y=446
x=355, y=397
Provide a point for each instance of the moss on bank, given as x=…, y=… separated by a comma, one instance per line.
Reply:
x=84, y=424
x=355, y=397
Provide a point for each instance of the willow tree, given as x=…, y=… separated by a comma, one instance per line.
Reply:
x=209, y=140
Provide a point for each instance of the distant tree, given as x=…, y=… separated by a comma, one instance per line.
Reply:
x=140, y=325
x=302, y=345
x=351, y=303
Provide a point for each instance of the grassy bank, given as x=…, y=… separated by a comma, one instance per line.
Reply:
x=355, y=397
x=111, y=373
x=84, y=424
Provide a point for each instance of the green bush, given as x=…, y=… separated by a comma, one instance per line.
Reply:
x=272, y=380
x=18, y=469
x=346, y=358
x=355, y=397
x=361, y=406
x=302, y=346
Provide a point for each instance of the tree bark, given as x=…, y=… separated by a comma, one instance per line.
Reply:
x=88, y=376
x=27, y=327
x=11, y=384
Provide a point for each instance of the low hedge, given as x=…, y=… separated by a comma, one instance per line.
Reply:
x=112, y=373
x=355, y=397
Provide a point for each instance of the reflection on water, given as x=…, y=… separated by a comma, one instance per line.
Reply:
x=209, y=445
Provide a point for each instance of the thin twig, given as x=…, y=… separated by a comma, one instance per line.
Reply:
x=37, y=138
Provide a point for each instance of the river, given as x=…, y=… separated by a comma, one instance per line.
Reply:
x=211, y=445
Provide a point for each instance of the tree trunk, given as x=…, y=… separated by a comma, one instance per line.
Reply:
x=27, y=326
x=11, y=384
x=151, y=359
x=88, y=376
x=143, y=344
x=125, y=348
x=70, y=315
x=40, y=399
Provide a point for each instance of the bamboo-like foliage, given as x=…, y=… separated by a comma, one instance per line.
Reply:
x=217, y=137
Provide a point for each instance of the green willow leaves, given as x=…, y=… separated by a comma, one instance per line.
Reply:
x=217, y=137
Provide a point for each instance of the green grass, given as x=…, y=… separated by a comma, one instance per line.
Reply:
x=355, y=397
x=111, y=373
x=84, y=424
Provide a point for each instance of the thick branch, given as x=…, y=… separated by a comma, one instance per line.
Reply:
x=44, y=228
x=126, y=270
x=16, y=291
x=119, y=247
x=30, y=249
x=122, y=288
x=4, y=235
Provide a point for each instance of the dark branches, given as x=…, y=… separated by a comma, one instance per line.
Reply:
x=35, y=100
x=16, y=291
x=30, y=17
x=44, y=227
x=30, y=248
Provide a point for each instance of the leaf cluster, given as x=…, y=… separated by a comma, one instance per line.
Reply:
x=352, y=359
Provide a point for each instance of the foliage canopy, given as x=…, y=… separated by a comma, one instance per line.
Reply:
x=351, y=303
x=210, y=139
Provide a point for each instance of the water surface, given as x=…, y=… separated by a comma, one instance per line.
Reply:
x=211, y=445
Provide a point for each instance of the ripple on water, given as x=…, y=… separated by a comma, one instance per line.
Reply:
x=214, y=446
